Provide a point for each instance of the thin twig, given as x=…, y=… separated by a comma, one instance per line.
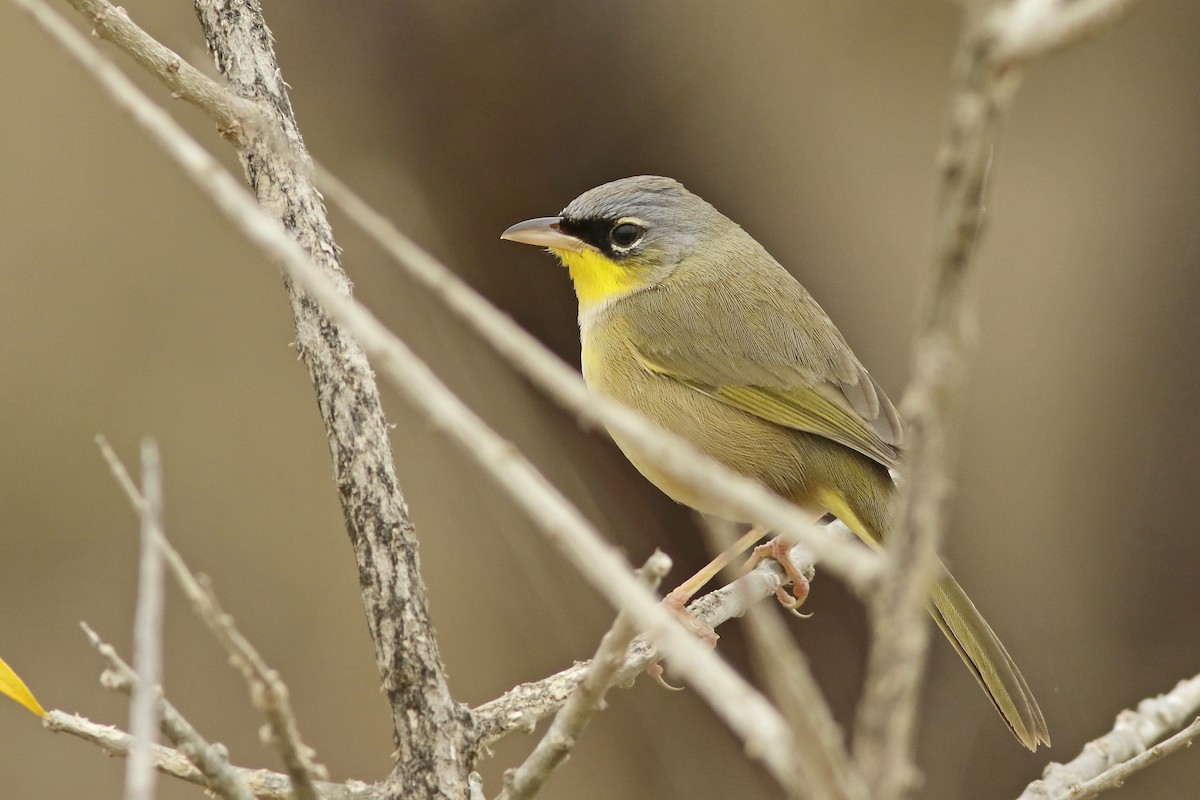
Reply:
x=886, y=722
x=147, y=633
x=210, y=759
x=267, y=690
x=586, y=701
x=1134, y=733
x=826, y=770
x=184, y=80
x=520, y=708
x=744, y=710
x=265, y=785
x=1116, y=777
x=1033, y=29
x=121, y=474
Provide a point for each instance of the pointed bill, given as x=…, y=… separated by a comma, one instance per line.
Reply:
x=544, y=232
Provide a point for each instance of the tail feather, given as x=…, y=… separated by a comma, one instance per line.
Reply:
x=988, y=661
x=958, y=618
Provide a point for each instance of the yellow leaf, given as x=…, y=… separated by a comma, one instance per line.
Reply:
x=14, y=687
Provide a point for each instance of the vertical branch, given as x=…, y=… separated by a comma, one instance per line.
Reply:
x=930, y=406
x=431, y=730
x=998, y=39
x=147, y=633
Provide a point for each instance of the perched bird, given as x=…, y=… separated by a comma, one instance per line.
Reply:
x=684, y=317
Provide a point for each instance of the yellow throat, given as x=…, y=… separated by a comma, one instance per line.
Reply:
x=597, y=277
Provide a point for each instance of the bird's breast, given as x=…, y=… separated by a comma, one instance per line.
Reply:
x=748, y=445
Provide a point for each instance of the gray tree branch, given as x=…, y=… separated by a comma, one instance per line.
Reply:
x=431, y=730
x=585, y=701
x=264, y=784
x=996, y=37
x=1107, y=761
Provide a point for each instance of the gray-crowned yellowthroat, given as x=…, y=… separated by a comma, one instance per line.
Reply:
x=686, y=318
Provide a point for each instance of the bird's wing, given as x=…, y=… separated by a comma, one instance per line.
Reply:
x=771, y=351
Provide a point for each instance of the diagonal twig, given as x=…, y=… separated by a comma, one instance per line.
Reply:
x=112, y=23
x=1134, y=734
x=267, y=689
x=264, y=784
x=521, y=707
x=585, y=701
x=827, y=772
x=211, y=759
x=1115, y=778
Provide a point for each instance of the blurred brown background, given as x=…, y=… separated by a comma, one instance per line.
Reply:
x=128, y=307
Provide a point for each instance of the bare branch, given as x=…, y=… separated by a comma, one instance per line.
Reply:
x=121, y=474
x=212, y=760
x=147, y=633
x=185, y=81
x=585, y=701
x=1031, y=29
x=265, y=785
x=900, y=633
x=1106, y=761
x=1116, y=777
x=520, y=708
x=267, y=689
x=884, y=736
x=826, y=770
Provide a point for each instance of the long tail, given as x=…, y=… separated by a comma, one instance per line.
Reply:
x=988, y=661
x=958, y=618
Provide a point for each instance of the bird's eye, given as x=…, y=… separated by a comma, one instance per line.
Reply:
x=626, y=234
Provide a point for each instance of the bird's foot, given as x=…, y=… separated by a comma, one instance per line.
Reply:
x=779, y=551
x=676, y=601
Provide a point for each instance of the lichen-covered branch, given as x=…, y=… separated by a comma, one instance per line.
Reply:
x=585, y=701
x=521, y=707
x=1104, y=760
x=430, y=728
x=264, y=784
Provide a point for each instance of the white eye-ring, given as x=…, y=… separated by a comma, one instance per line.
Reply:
x=626, y=233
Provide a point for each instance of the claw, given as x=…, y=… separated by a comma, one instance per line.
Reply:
x=676, y=602
x=792, y=604
x=778, y=550
x=655, y=671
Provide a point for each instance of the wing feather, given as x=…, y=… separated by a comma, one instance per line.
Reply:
x=766, y=348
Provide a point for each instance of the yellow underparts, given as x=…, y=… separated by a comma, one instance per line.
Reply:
x=596, y=276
